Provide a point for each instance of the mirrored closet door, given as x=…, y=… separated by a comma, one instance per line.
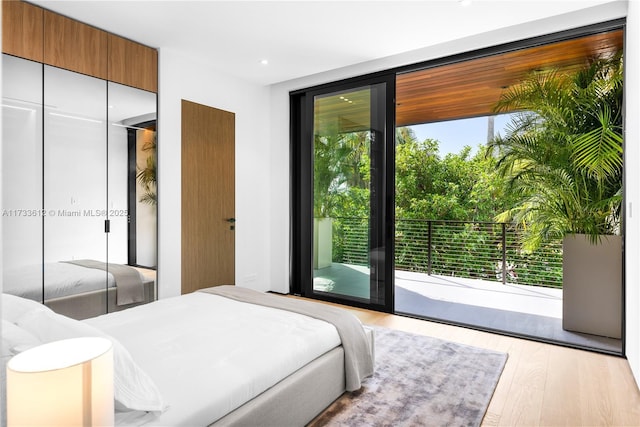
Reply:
x=22, y=214
x=75, y=182
x=79, y=189
x=132, y=176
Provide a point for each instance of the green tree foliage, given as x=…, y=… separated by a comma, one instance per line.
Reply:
x=341, y=191
x=454, y=187
x=341, y=174
x=428, y=186
x=457, y=187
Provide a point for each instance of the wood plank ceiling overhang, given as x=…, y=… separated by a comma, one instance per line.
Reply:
x=471, y=88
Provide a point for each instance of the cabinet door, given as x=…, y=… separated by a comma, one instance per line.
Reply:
x=74, y=46
x=22, y=33
x=133, y=64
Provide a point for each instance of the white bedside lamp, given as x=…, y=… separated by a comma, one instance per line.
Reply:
x=62, y=383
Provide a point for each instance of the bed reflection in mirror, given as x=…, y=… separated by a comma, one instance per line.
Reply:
x=87, y=173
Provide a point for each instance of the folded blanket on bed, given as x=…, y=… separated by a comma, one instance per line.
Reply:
x=358, y=355
x=129, y=286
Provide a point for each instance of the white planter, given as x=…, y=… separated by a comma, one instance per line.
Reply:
x=592, y=285
x=322, y=242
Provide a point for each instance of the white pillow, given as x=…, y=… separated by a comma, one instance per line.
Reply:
x=133, y=388
x=15, y=339
x=13, y=307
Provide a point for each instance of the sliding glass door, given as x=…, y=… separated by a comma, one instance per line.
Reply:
x=344, y=224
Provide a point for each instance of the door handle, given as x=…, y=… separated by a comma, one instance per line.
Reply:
x=231, y=220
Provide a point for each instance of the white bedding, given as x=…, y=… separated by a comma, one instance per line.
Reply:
x=61, y=278
x=209, y=355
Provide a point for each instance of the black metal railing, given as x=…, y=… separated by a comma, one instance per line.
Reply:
x=469, y=249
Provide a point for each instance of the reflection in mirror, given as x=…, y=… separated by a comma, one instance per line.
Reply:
x=79, y=190
x=75, y=182
x=22, y=177
x=132, y=182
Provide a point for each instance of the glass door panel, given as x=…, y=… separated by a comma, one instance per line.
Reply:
x=75, y=184
x=22, y=213
x=349, y=215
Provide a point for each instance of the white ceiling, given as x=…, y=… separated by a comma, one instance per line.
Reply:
x=301, y=38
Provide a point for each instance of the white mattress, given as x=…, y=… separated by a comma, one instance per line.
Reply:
x=209, y=355
x=61, y=278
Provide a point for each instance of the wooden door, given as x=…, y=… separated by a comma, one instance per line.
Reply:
x=208, y=197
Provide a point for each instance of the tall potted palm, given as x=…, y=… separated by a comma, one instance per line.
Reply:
x=562, y=157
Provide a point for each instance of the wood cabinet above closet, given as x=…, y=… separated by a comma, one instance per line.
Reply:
x=132, y=64
x=75, y=46
x=23, y=30
x=40, y=35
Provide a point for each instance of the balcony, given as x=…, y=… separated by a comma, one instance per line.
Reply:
x=471, y=273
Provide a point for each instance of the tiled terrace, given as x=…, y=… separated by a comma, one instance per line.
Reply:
x=529, y=311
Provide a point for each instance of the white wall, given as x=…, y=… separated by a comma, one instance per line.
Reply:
x=182, y=78
x=632, y=189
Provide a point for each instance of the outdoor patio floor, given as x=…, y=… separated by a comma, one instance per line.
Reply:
x=528, y=311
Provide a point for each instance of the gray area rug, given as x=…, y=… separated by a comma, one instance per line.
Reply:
x=420, y=381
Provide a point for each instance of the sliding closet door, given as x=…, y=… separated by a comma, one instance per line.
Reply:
x=22, y=213
x=75, y=180
x=132, y=190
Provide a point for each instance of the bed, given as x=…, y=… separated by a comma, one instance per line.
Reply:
x=220, y=356
x=83, y=288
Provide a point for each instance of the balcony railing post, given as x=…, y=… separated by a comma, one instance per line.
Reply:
x=504, y=253
x=429, y=248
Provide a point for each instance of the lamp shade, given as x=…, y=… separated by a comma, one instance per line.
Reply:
x=62, y=383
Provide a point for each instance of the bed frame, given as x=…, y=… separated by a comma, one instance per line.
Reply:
x=299, y=398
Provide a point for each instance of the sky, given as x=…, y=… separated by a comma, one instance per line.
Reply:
x=455, y=134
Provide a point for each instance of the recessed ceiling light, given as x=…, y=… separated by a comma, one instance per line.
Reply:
x=465, y=3
x=264, y=61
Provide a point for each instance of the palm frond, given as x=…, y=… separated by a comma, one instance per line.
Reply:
x=562, y=153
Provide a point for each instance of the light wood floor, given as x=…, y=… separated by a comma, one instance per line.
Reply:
x=542, y=384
